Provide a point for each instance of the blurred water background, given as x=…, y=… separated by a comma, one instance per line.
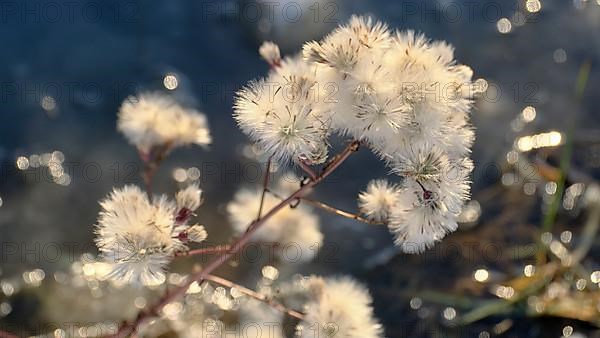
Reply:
x=66, y=67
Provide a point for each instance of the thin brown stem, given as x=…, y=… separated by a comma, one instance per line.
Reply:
x=129, y=328
x=258, y=296
x=204, y=251
x=307, y=169
x=152, y=161
x=265, y=186
x=339, y=212
x=211, y=250
x=341, y=157
x=148, y=176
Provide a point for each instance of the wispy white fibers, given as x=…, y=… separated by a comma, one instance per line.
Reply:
x=338, y=307
x=294, y=231
x=139, y=236
x=156, y=120
x=282, y=115
x=408, y=99
x=378, y=200
x=269, y=51
x=400, y=93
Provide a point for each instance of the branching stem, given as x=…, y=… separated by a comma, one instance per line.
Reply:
x=204, y=251
x=258, y=296
x=129, y=328
x=265, y=186
x=339, y=212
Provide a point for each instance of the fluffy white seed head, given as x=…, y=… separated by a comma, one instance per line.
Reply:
x=365, y=82
x=281, y=114
x=189, y=198
x=295, y=230
x=136, y=235
x=155, y=120
x=343, y=48
x=139, y=236
x=269, y=51
x=378, y=200
x=420, y=162
x=402, y=94
x=338, y=307
x=424, y=215
x=260, y=320
x=196, y=233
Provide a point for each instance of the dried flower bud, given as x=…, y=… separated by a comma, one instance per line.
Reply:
x=196, y=233
x=269, y=51
x=189, y=198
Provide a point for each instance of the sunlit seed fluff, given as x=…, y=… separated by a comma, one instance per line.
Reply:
x=458, y=136
x=403, y=95
x=379, y=114
x=252, y=105
x=294, y=132
x=295, y=230
x=269, y=51
x=299, y=117
x=422, y=216
x=196, y=233
x=189, y=198
x=370, y=33
x=456, y=184
x=260, y=320
x=342, y=48
x=281, y=116
x=407, y=86
x=294, y=80
x=338, y=307
x=434, y=193
x=420, y=162
x=378, y=200
x=156, y=120
x=137, y=236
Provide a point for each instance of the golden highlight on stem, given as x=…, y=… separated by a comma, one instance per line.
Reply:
x=339, y=212
x=129, y=328
x=265, y=186
x=204, y=251
x=258, y=296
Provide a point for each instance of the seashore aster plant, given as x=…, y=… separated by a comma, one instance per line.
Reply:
x=400, y=95
x=139, y=236
x=152, y=121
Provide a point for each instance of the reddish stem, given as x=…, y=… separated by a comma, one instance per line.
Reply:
x=129, y=328
x=204, y=251
x=307, y=169
x=265, y=186
x=152, y=162
x=339, y=212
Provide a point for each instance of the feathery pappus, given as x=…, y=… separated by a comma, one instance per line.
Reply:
x=398, y=92
x=338, y=307
x=295, y=231
x=152, y=120
x=138, y=236
x=378, y=200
